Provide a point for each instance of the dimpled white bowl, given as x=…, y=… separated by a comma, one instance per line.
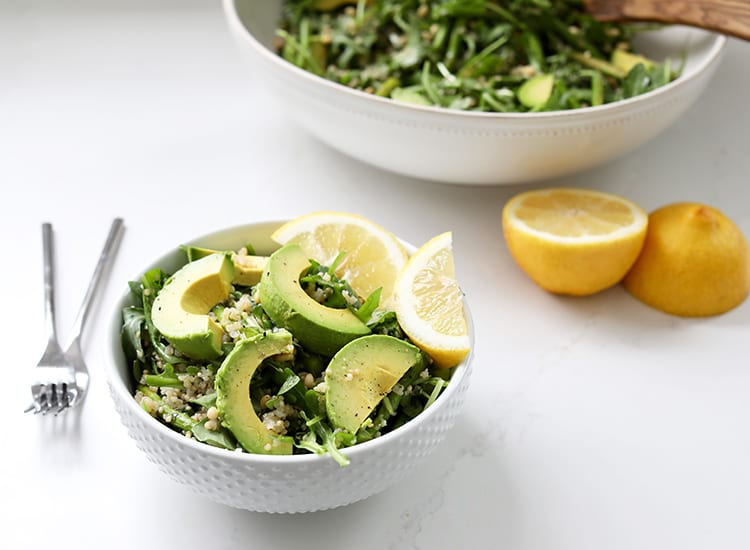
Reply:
x=281, y=484
x=467, y=147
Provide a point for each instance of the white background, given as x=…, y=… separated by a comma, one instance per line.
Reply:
x=590, y=424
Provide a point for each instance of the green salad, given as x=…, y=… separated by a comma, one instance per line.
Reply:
x=475, y=55
x=271, y=355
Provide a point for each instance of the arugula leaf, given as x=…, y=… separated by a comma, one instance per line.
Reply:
x=167, y=378
x=207, y=400
x=365, y=311
x=386, y=322
x=221, y=438
x=328, y=441
x=133, y=321
x=291, y=381
x=137, y=290
x=636, y=82
x=294, y=389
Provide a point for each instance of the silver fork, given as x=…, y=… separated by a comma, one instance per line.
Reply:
x=60, y=379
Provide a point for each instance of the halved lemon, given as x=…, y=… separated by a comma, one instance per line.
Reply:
x=695, y=262
x=373, y=255
x=574, y=241
x=429, y=303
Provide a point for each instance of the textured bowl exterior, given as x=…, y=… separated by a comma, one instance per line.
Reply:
x=462, y=147
x=277, y=484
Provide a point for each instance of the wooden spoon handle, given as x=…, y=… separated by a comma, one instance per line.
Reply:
x=730, y=17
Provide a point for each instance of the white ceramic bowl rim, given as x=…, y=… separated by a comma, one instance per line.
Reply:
x=117, y=385
x=234, y=20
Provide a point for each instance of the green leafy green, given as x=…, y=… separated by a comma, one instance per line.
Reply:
x=465, y=54
x=386, y=322
x=365, y=311
x=206, y=400
x=221, y=438
x=291, y=381
x=167, y=378
x=321, y=439
x=133, y=322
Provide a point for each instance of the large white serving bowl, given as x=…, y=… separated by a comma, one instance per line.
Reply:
x=467, y=147
x=281, y=484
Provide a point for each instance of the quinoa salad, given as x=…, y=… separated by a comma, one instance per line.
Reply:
x=288, y=389
x=471, y=55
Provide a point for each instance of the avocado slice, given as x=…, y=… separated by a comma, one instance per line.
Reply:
x=405, y=95
x=362, y=373
x=197, y=252
x=247, y=268
x=535, y=92
x=323, y=330
x=233, y=392
x=625, y=61
x=180, y=310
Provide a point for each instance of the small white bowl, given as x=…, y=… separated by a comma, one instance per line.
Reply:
x=470, y=147
x=281, y=484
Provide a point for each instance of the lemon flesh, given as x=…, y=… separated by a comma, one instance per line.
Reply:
x=373, y=256
x=429, y=303
x=573, y=241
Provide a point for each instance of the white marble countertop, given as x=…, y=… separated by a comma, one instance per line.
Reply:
x=590, y=423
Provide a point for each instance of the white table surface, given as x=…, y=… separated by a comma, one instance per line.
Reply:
x=592, y=423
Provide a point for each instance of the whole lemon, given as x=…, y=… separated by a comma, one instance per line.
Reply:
x=694, y=262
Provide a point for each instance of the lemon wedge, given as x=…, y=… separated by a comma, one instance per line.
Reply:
x=429, y=303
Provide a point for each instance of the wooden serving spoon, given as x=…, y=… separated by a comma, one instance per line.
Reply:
x=731, y=17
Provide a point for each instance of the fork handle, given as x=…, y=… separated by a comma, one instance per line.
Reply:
x=730, y=17
x=105, y=260
x=48, y=261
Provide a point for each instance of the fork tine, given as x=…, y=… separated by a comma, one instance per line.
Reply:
x=53, y=398
x=41, y=402
x=35, y=405
x=66, y=400
x=49, y=398
x=60, y=400
x=72, y=396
